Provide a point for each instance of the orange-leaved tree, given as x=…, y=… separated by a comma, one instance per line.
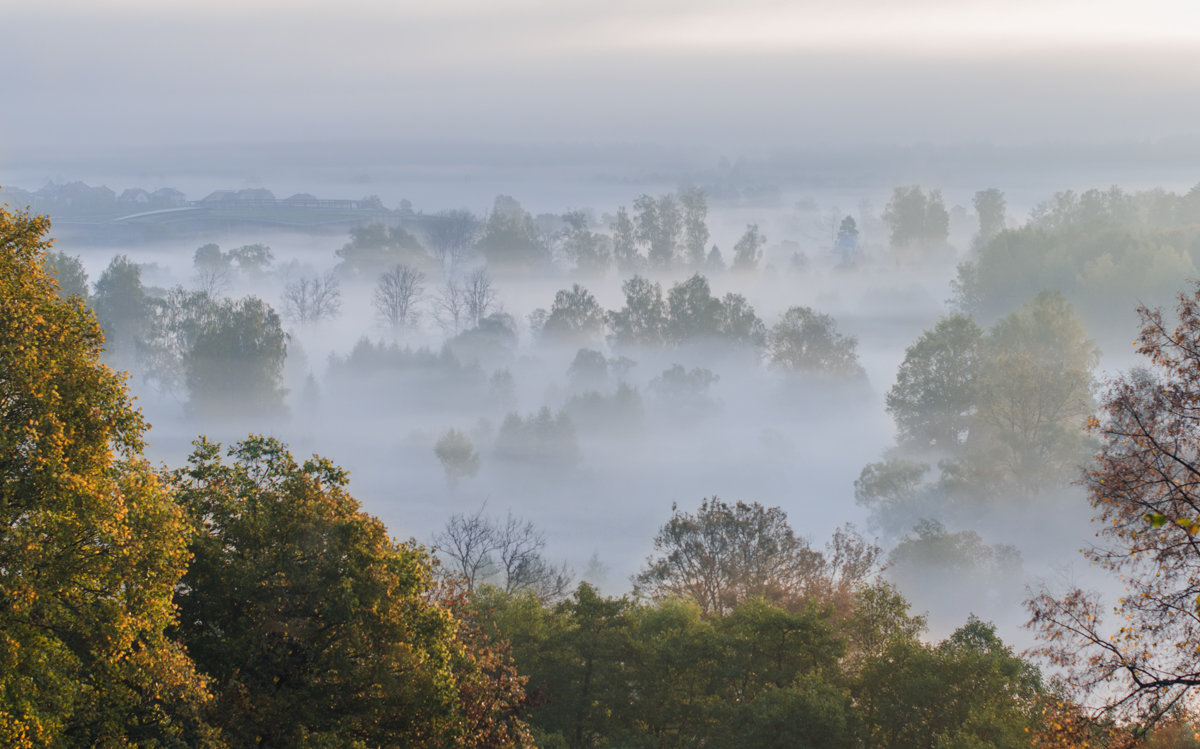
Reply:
x=91, y=545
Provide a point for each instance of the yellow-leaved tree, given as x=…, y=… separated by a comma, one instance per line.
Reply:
x=91, y=545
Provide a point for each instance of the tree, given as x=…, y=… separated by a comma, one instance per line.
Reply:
x=92, y=545
x=121, y=306
x=450, y=234
x=808, y=341
x=724, y=555
x=748, y=250
x=1143, y=490
x=591, y=252
x=316, y=627
x=575, y=317
x=479, y=549
x=1034, y=393
x=374, y=248
x=933, y=400
x=625, y=250
x=311, y=299
x=695, y=228
x=396, y=295
x=991, y=209
x=643, y=319
x=917, y=222
x=450, y=306
x=457, y=455
x=235, y=364
x=658, y=224
x=510, y=240
x=479, y=296
x=68, y=272
x=252, y=259
x=692, y=311
x=214, y=269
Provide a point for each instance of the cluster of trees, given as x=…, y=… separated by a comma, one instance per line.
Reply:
x=1092, y=247
x=741, y=634
x=244, y=599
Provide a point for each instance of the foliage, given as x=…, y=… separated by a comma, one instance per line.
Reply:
x=625, y=250
x=457, y=455
x=933, y=400
x=68, y=272
x=695, y=228
x=122, y=307
x=235, y=363
x=724, y=555
x=542, y=438
x=748, y=251
x=509, y=240
x=575, y=317
x=92, y=545
x=643, y=319
x=1142, y=486
x=214, y=269
x=917, y=222
x=658, y=224
x=316, y=627
x=807, y=341
x=373, y=248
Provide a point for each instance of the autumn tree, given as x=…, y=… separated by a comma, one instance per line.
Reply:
x=92, y=545
x=316, y=627
x=1143, y=488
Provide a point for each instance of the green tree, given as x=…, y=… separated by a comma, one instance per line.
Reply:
x=748, y=251
x=933, y=400
x=916, y=222
x=625, y=249
x=374, y=248
x=807, y=341
x=316, y=627
x=235, y=363
x=457, y=455
x=92, y=546
x=510, y=240
x=643, y=319
x=695, y=228
x=68, y=272
x=575, y=317
x=658, y=224
x=692, y=311
x=122, y=307
x=992, y=209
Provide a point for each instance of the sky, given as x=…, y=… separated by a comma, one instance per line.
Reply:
x=759, y=75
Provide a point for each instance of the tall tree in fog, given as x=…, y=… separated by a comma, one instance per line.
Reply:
x=214, y=269
x=695, y=226
x=450, y=306
x=575, y=317
x=479, y=296
x=808, y=341
x=397, y=293
x=374, y=248
x=510, y=239
x=933, y=400
x=122, y=307
x=68, y=272
x=311, y=299
x=658, y=224
x=625, y=249
x=991, y=208
x=591, y=252
x=449, y=236
x=643, y=319
x=917, y=222
x=252, y=260
x=693, y=312
x=235, y=365
x=748, y=250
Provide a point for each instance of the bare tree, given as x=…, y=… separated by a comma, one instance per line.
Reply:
x=465, y=546
x=450, y=307
x=479, y=296
x=508, y=553
x=309, y=299
x=397, y=294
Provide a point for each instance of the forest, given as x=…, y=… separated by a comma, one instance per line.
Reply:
x=517, y=392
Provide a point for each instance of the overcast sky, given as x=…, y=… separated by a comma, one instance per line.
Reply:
x=753, y=74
